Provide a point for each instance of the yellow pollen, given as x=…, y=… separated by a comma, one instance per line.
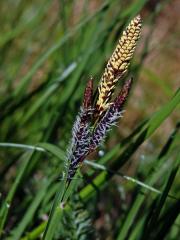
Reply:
x=118, y=63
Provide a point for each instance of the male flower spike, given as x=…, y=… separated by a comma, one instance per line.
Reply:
x=118, y=64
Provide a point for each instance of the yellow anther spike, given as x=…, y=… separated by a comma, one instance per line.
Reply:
x=118, y=63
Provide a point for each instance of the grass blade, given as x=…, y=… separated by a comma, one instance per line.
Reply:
x=26, y=158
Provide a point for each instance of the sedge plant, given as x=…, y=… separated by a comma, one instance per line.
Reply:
x=99, y=113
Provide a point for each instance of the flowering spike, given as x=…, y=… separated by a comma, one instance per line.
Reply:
x=111, y=116
x=118, y=63
x=108, y=120
x=121, y=98
x=81, y=132
x=79, y=146
x=91, y=126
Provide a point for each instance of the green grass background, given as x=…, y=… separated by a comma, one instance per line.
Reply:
x=129, y=188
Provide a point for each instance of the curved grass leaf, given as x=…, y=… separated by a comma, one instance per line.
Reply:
x=25, y=159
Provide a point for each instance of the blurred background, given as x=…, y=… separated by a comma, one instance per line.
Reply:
x=49, y=49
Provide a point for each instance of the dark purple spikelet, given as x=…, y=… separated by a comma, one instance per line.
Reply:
x=121, y=98
x=80, y=141
x=79, y=146
x=88, y=94
x=111, y=116
x=109, y=119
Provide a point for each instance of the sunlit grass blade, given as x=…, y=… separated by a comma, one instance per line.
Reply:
x=28, y=217
x=161, y=201
x=161, y=167
x=25, y=161
x=56, y=212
